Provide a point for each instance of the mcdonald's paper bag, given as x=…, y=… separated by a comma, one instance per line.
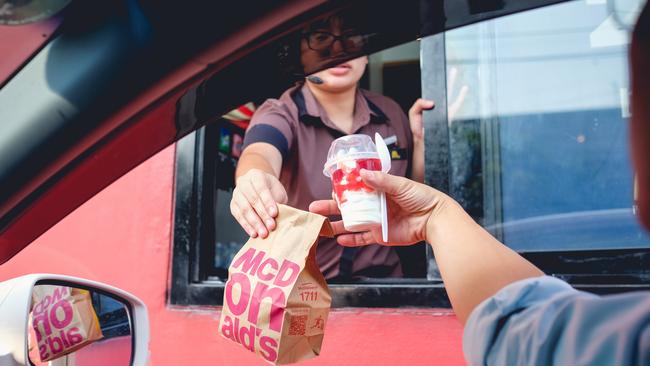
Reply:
x=276, y=300
x=63, y=320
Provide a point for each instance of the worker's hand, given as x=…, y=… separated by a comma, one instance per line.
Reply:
x=255, y=202
x=415, y=117
x=410, y=206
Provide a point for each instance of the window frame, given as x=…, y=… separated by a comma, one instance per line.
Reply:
x=189, y=286
x=193, y=224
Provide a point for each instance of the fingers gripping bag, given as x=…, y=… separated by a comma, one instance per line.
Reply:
x=276, y=300
x=63, y=320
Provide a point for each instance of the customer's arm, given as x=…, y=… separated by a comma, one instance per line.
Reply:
x=473, y=264
x=513, y=314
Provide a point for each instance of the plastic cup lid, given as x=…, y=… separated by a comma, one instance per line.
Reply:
x=350, y=147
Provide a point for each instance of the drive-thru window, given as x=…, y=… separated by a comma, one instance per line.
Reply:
x=529, y=134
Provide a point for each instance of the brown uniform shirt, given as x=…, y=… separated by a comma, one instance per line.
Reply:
x=297, y=125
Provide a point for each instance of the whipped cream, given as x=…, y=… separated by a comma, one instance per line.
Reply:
x=360, y=210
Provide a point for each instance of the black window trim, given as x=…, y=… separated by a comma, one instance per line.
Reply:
x=188, y=288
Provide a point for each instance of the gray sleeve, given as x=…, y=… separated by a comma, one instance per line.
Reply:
x=544, y=321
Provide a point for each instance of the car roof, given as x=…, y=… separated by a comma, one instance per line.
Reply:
x=100, y=97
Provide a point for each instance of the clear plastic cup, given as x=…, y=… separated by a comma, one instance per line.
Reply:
x=359, y=204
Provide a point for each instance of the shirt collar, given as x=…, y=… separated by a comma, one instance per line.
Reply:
x=311, y=112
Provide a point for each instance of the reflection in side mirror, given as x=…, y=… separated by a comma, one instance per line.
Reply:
x=78, y=326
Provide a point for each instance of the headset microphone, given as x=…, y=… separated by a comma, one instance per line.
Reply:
x=315, y=79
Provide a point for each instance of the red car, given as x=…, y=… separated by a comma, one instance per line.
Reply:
x=121, y=123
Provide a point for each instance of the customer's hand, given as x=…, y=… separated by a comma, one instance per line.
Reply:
x=255, y=202
x=410, y=206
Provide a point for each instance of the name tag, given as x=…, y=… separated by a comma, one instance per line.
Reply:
x=391, y=140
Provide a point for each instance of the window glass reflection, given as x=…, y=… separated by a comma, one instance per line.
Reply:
x=538, y=142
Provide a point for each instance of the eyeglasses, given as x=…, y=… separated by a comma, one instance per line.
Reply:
x=320, y=41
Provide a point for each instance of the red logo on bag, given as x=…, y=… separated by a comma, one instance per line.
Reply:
x=273, y=279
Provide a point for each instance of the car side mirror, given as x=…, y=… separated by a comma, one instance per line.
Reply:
x=57, y=320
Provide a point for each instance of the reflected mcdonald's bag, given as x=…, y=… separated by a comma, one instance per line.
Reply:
x=63, y=320
x=276, y=301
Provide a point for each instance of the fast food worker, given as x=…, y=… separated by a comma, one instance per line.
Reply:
x=286, y=144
